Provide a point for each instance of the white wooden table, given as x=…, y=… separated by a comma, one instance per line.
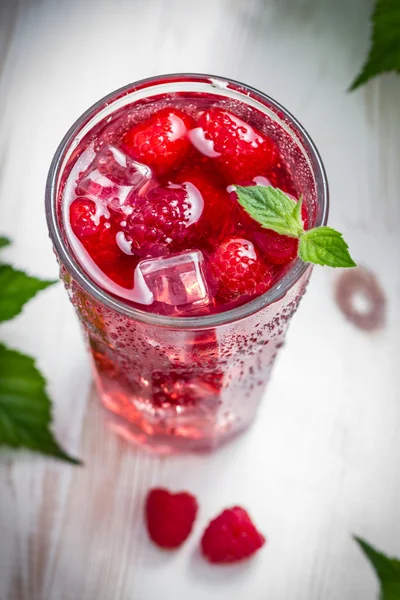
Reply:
x=323, y=460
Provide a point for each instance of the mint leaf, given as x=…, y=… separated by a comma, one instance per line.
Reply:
x=384, y=54
x=271, y=208
x=25, y=413
x=16, y=288
x=297, y=212
x=325, y=246
x=4, y=241
x=387, y=570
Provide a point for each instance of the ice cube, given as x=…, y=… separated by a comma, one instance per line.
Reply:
x=177, y=281
x=112, y=177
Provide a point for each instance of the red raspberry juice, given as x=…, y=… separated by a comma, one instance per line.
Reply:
x=184, y=299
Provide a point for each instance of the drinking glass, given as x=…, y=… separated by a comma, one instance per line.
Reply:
x=185, y=383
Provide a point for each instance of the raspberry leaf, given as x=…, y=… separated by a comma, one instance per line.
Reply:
x=16, y=288
x=25, y=410
x=271, y=207
x=384, y=55
x=387, y=570
x=4, y=242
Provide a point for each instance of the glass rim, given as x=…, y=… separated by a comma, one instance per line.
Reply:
x=276, y=292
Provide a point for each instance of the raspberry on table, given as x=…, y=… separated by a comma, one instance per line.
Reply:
x=170, y=517
x=231, y=537
x=239, y=269
x=161, y=141
x=244, y=153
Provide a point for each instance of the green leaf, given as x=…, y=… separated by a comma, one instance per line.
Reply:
x=325, y=246
x=384, y=55
x=387, y=570
x=297, y=212
x=270, y=207
x=273, y=209
x=25, y=409
x=4, y=241
x=16, y=288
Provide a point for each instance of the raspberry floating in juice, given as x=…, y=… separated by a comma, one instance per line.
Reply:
x=152, y=214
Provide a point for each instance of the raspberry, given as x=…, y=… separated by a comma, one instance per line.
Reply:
x=161, y=142
x=81, y=215
x=170, y=517
x=244, y=152
x=99, y=240
x=185, y=388
x=240, y=271
x=218, y=219
x=280, y=177
x=231, y=537
x=276, y=249
x=165, y=218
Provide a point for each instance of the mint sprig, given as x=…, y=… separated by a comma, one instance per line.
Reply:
x=273, y=209
x=387, y=570
x=25, y=408
x=384, y=55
